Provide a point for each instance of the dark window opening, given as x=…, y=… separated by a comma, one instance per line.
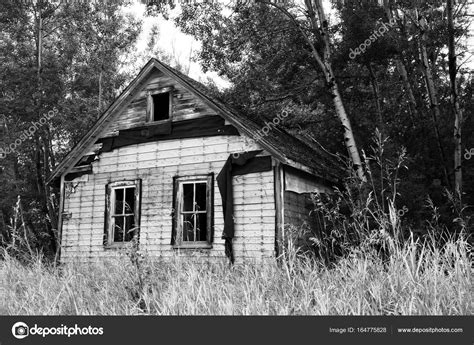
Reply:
x=161, y=106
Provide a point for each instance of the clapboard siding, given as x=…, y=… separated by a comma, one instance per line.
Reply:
x=299, y=209
x=185, y=105
x=156, y=164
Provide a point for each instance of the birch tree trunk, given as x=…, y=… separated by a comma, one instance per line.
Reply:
x=99, y=106
x=433, y=96
x=400, y=63
x=43, y=170
x=4, y=235
x=454, y=101
x=376, y=91
x=349, y=139
x=429, y=81
x=323, y=34
x=319, y=28
x=38, y=98
x=402, y=71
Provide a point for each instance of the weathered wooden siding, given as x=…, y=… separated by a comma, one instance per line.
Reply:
x=156, y=164
x=185, y=105
x=297, y=209
x=297, y=200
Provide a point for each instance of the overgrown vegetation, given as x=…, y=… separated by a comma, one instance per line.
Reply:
x=419, y=278
x=373, y=215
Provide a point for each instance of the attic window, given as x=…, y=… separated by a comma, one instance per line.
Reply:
x=159, y=105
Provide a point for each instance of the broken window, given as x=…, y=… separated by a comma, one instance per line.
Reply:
x=159, y=105
x=122, y=211
x=193, y=211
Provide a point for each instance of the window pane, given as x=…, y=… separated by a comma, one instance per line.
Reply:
x=129, y=227
x=130, y=200
x=118, y=229
x=119, y=201
x=201, y=196
x=161, y=106
x=188, y=227
x=201, y=227
x=188, y=193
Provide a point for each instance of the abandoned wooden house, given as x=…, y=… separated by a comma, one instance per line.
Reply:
x=174, y=169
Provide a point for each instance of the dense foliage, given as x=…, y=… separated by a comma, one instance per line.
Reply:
x=64, y=58
x=384, y=81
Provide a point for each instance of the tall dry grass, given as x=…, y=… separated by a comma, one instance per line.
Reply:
x=418, y=279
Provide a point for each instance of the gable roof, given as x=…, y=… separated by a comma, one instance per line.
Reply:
x=279, y=143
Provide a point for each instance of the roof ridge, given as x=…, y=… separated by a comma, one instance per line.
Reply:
x=284, y=146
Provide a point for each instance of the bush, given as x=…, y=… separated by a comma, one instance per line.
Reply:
x=373, y=216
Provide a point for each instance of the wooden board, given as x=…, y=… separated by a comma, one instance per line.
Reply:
x=156, y=164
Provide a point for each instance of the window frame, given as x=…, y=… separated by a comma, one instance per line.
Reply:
x=110, y=211
x=151, y=105
x=179, y=181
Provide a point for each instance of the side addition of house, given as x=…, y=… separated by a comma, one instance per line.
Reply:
x=171, y=168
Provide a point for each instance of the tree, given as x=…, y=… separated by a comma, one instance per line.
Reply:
x=53, y=61
x=455, y=99
x=271, y=66
x=314, y=30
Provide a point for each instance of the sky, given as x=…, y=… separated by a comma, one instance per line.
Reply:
x=173, y=41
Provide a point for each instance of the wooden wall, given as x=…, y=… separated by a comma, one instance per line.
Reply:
x=185, y=105
x=156, y=164
x=297, y=200
x=297, y=209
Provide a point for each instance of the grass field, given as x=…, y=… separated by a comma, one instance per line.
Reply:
x=417, y=280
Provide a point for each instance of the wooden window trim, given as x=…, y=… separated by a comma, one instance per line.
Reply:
x=150, y=105
x=177, y=216
x=195, y=245
x=109, y=212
